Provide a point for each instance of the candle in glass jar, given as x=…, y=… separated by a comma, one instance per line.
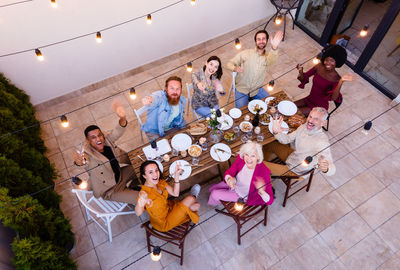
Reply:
x=183, y=153
x=257, y=130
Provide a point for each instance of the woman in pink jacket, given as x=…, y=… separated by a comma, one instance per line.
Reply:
x=247, y=178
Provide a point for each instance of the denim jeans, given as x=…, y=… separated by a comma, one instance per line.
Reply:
x=243, y=99
x=205, y=111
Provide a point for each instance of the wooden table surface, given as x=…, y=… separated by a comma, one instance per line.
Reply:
x=205, y=158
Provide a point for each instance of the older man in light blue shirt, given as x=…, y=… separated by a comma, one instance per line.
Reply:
x=165, y=110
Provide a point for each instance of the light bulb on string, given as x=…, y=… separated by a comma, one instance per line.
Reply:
x=189, y=67
x=364, y=30
x=53, y=3
x=367, y=127
x=278, y=19
x=64, y=121
x=270, y=85
x=132, y=93
x=307, y=161
x=156, y=254
x=98, y=37
x=239, y=204
x=193, y=2
x=39, y=55
x=237, y=44
x=148, y=19
x=79, y=182
x=316, y=60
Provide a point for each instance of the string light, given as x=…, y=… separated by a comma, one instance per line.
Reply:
x=64, y=121
x=307, y=161
x=156, y=254
x=237, y=44
x=148, y=19
x=278, y=19
x=239, y=204
x=316, y=60
x=193, y=2
x=79, y=182
x=98, y=37
x=367, y=127
x=364, y=30
x=53, y=3
x=189, y=67
x=132, y=93
x=270, y=85
x=39, y=55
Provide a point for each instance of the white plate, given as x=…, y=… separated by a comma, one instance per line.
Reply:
x=284, y=125
x=226, y=121
x=235, y=113
x=287, y=108
x=260, y=103
x=241, y=126
x=220, y=155
x=181, y=142
x=268, y=99
x=187, y=170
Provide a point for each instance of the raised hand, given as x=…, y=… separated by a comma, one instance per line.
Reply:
x=202, y=86
x=276, y=40
x=238, y=69
x=178, y=171
x=80, y=158
x=119, y=109
x=348, y=77
x=323, y=164
x=147, y=100
x=277, y=125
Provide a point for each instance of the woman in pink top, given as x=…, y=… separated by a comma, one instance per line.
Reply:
x=247, y=178
x=326, y=82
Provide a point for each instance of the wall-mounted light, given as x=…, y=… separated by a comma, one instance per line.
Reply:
x=237, y=44
x=64, y=121
x=98, y=37
x=148, y=19
x=39, y=55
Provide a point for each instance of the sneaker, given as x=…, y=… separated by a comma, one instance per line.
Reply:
x=195, y=190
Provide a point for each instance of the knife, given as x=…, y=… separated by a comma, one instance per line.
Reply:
x=215, y=150
x=224, y=151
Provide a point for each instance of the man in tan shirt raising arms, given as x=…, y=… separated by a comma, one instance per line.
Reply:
x=251, y=67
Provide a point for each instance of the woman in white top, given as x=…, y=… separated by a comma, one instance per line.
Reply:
x=247, y=178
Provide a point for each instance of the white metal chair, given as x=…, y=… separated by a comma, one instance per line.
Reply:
x=189, y=89
x=232, y=87
x=100, y=208
x=138, y=113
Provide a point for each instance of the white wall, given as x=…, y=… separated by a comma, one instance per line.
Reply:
x=73, y=65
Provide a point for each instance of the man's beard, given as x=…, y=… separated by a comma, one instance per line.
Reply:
x=261, y=48
x=172, y=100
x=312, y=131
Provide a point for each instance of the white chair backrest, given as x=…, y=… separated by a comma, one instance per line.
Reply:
x=138, y=112
x=232, y=87
x=189, y=89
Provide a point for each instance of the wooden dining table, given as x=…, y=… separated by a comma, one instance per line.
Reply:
x=206, y=161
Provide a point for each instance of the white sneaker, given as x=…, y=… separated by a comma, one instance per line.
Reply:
x=195, y=190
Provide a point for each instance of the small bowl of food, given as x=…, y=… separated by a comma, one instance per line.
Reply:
x=194, y=150
x=230, y=136
x=246, y=126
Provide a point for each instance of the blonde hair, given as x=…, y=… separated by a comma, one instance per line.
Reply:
x=251, y=147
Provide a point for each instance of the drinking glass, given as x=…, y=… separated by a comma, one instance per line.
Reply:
x=204, y=146
x=244, y=138
x=236, y=129
x=260, y=137
x=174, y=152
x=195, y=161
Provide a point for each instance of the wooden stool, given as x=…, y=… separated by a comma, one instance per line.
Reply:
x=241, y=217
x=174, y=236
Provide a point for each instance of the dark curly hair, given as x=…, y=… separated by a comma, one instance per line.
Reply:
x=337, y=52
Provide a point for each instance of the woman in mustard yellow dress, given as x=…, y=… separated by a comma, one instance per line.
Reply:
x=165, y=214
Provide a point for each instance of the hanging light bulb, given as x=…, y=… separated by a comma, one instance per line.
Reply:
x=237, y=44
x=270, y=85
x=79, y=182
x=367, y=127
x=98, y=37
x=278, y=19
x=39, y=55
x=132, y=93
x=148, y=19
x=189, y=67
x=307, y=161
x=317, y=59
x=239, y=204
x=364, y=30
x=193, y=2
x=64, y=121
x=156, y=254
x=53, y=3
